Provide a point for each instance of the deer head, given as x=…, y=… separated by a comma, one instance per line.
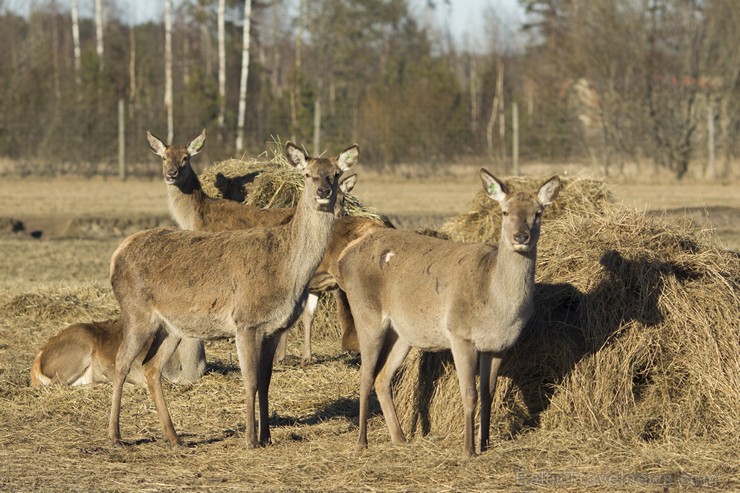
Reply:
x=345, y=186
x=521, y=212
x=322, y=174
x=176, y=159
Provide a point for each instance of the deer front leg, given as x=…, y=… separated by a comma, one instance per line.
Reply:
x=465, y=356
x=267, y=353
x=282, y=349
x=132, y=344
x=162, y=349
x=489, y=367
x=346, y=322
x=248, y=351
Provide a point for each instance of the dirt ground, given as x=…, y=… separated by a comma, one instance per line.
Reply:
x=55, y=272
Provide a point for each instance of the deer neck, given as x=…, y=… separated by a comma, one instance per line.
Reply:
x=186, y=200
x=310, y=235
x=512, y=280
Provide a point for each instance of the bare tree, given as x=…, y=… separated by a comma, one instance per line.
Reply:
x=76, y=40
x=168, y=69
x=221, y=68
x=245, y=74
x=99, y=32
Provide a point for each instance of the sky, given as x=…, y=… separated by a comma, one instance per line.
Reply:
x=464, y=17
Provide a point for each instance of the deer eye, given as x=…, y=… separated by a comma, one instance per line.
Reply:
x=504, y=213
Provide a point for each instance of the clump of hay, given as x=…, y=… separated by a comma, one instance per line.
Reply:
x=482, y=221
x=68, y=302
x=266, y=181
x=635, y=334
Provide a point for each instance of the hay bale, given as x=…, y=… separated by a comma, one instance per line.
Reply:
x=265, y=182
x=635, y=333
x=482, y=221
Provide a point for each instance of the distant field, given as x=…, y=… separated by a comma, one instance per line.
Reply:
x=54, y=439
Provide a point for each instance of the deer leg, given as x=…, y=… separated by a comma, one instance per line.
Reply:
x=248, y=351
x=465, y=356
x=162, y=348
x=282, y=348
x=489, y=366
x=267, y=353
x=132, y=344
x=309, y=312
x=371, y=346
x=346, y=322
x=396, y=352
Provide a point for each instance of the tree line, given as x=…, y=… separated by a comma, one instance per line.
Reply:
x=606, y=81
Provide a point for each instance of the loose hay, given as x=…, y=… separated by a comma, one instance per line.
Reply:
x=635, y=334
x=265, y=182
x=482, y=221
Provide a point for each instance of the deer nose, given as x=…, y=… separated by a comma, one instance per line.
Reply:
x=521, y=238
x=323, y=192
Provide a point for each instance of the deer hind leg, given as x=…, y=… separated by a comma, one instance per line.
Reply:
x=162, y=348
x=346, y=322
x=394, y=352
x=136, y=335
x=248, y=351
x=489, y=367
x=267, y=353
x=465, y=356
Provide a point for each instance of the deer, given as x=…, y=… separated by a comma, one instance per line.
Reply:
x=85, y=354
x=250, y=285
x=192, y=209
x=408, y=290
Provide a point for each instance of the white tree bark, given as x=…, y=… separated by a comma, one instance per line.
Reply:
x=76, y=40
x=99, y=31
x=221, y=67
x=168, y=69
x=245, y=75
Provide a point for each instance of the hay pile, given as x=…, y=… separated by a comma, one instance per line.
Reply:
x=635, y=335
x=482, y=221
x=265, y=182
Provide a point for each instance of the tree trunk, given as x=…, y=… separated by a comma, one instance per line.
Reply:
x=76, y=41
x=99, y=32
x=168, y=69
x=245, y=74
x=221, y=69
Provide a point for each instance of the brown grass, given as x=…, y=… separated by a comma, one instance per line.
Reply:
x=626, y=380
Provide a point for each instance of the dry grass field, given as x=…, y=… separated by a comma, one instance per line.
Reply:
x=55, y=272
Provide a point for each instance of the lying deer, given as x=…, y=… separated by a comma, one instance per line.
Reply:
x=408, y=290
x=248, y=284
x=85, y=353
x=192, y=209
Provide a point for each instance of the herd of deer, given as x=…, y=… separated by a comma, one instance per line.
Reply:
x=242, y=272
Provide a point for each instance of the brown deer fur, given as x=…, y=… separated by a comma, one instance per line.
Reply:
x=248, y=284
x=410, y=290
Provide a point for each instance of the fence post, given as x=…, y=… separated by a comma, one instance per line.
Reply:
x=121, y=140
x=710, y=140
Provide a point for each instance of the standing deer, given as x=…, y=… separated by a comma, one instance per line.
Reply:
x=248, y=284
x=410, y=290
x=192, y=209
x=85, y=353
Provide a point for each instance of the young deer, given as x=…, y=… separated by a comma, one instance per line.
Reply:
x=85, y=353
x=248, y=284
x=192, y=209
x=410, y=290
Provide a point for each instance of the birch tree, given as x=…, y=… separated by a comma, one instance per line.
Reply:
x=221, y=68
x=99, y=32
x=168, y=69
x=244, y=76
x=76, y=41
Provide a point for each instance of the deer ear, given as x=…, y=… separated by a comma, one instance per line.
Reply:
x=493, y=187
x=549, y=191
x=296, y=156
x=348, y=183
x=155, y=144
x=348, y=157
x=195, y=145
